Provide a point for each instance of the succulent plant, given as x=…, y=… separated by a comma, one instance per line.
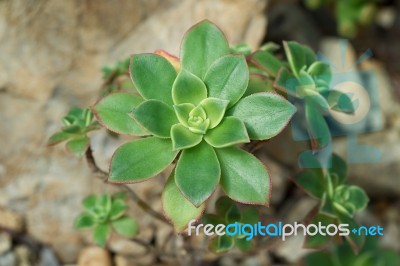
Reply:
x=77, y=123
x=195, y=113
x=227, y=212
x=104, y=213
x=338, y=200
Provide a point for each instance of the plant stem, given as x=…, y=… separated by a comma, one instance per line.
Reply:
x=103, y=176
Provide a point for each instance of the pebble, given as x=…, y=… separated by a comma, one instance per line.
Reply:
x=94, y=256
x=8, y=259
x=11, y=220
x=5, y=243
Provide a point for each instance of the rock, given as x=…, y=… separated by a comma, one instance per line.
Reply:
x=5, y=242
x=123, y=246
x=148, y=37
x=11, y=220
x=379, y=179
x=386, y=17
x=261, y=259
x=24, y=256
x=48, y=258
x=8, y=259
x=292, y=249
x=94, y=256
x=289, y=21
x=348, y=77
x=388, y=102
x=121, y=261
x=380, y=176
x=146, y=259
x=391, y=235
x=51, y=57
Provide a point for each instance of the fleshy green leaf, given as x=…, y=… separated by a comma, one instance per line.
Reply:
x=352, y=198
x=295, y=56
x=78, y=146
x=268, y=62
x=327, y=206
x=243, y=177
x=309, y=55
x=318, y=240
x=90, y=202
x=306, y=82
x=170, y=57
x=223, y=205
x=73, y=129
x=356, y=241
x=112, y=112
x=141, y=159
x=233, y=214
x=198, y=173
x=183, y=138
x=221, y=244
x=243, y=244
x=156, y=117
x=75, y=112
x=58, y=137
x=341, y=102
x=320, y=70
x=241, y=48
x=338, y=167
x=286, y=81
x=229, y=132
x=198, y=111
x=188, y=88
x=258, y=83
x=125, y=226
x=317, y=125
x=200, y=128
x=104, y=202
x=249, y=215
x=215, y=110
x=85, y=220
x=202, y=45
x=177, y=208
x=100, y=234
x=118, y=208
x=313, y=97
x=264, y=114
x=311, y=183
x=311, y=160
x=227, y=78
x=153, y=77
x=182, y=112
x=212, y=219
x=318, y=258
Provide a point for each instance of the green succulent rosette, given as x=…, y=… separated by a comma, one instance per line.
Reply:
x=195, y=114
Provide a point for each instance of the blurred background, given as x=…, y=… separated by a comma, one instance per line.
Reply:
x=51, y=53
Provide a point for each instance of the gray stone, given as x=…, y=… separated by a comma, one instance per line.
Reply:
x=292, y=249
x=8, y=259
x=48, y=258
